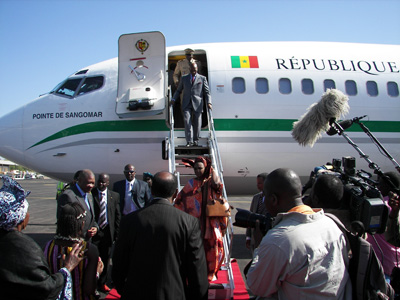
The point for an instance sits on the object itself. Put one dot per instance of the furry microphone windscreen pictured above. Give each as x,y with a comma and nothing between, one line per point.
308,129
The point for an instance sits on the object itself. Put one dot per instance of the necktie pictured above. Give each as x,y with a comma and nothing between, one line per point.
87,201
193,79
260,201
103,212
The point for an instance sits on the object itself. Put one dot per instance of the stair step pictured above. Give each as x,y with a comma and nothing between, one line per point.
180,156
187,175
184,147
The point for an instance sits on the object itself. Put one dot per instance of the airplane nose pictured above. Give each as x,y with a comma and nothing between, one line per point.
11,144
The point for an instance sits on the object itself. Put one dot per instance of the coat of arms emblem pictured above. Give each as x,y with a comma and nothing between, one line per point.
142,45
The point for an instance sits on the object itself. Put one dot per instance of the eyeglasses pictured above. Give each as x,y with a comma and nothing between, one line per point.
130,172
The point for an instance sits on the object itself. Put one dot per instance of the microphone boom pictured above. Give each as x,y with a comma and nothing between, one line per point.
309,128
345,124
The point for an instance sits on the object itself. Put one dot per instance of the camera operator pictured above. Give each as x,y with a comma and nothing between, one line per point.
383,243
327,193
254,235
304,255
393,228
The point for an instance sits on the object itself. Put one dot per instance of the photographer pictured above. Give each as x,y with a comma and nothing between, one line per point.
393,227
304,255
327,193
383,243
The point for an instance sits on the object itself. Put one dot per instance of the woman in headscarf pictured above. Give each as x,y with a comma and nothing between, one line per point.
148,177
70,232
193,199
24,272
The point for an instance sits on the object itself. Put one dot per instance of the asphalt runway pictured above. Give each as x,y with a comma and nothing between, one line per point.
42,222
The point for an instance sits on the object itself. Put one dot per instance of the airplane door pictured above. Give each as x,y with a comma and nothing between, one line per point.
141,74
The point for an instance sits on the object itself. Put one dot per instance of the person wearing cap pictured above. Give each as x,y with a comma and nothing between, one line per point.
24,272
183,67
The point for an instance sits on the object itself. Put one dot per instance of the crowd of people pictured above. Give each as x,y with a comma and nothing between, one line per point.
149,241
147,229
304,248
151,235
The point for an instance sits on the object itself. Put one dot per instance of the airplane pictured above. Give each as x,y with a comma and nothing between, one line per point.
116,112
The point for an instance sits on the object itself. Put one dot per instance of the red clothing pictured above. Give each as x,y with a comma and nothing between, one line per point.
190,200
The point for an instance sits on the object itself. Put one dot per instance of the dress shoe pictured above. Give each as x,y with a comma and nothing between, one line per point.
105,289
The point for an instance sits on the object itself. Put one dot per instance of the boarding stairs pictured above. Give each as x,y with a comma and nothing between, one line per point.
175,149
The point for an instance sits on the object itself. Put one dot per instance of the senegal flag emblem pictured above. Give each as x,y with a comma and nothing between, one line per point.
243,62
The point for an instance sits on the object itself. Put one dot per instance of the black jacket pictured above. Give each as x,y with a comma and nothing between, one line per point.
24,272
159,255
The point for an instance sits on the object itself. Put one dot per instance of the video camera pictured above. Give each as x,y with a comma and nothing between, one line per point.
361,195
248,219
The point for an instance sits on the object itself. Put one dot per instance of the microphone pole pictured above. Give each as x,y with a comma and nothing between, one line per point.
371,164
375,140
341,132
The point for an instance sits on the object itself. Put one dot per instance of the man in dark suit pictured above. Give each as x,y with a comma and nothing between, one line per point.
159,252
80,192
134,193
195,87
255,235
108,216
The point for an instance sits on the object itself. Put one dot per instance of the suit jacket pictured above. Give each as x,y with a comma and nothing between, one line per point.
159,255
113,213
250,232
73,195
193,93
141,194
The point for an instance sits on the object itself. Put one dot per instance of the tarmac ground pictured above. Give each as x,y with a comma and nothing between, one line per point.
42,221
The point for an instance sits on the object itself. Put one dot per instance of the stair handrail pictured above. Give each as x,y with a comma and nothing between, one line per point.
217,164
171,143
213,136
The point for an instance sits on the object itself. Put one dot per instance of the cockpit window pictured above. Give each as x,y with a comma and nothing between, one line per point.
91,84
85,85
67,87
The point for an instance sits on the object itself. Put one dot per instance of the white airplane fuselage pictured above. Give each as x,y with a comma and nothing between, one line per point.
57,134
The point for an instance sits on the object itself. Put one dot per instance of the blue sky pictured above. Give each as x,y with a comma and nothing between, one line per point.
44,41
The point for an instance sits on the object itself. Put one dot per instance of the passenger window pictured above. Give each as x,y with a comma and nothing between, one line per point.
329,84
285,86
262,85
372,88
393,89
238,85
307,86
68,87
351,87
91,84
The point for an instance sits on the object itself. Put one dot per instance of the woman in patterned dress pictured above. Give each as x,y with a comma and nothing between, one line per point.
193,200
69,232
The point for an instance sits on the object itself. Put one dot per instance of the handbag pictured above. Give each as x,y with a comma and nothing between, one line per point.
218,208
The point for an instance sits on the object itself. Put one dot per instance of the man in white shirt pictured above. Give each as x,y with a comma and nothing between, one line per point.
134,193
107,212
304,255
